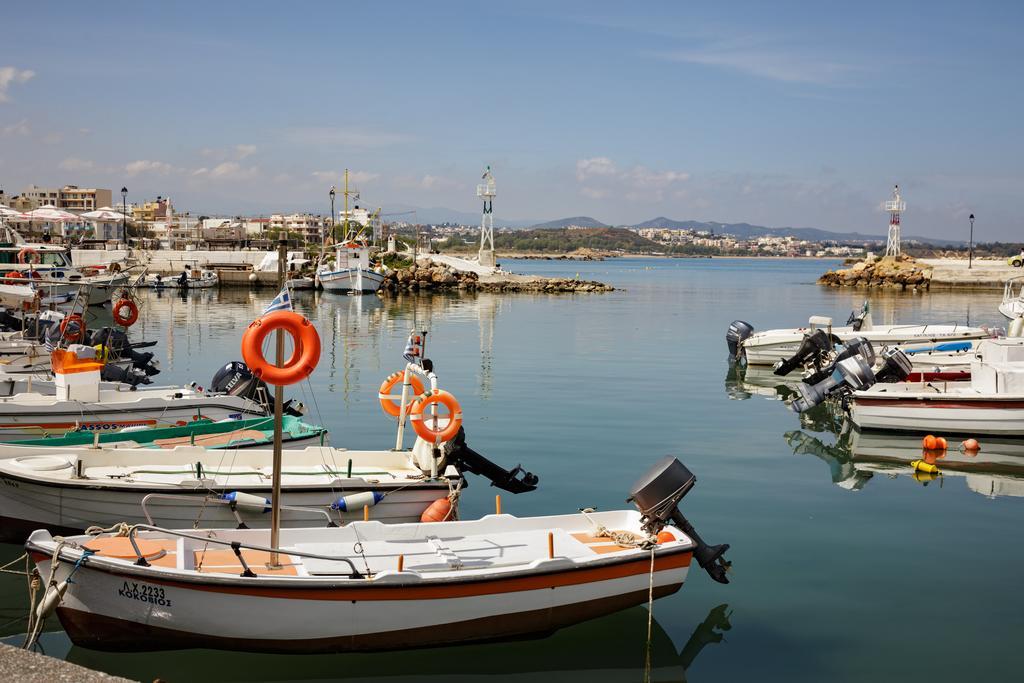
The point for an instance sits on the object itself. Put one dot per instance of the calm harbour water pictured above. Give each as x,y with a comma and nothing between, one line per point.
894,581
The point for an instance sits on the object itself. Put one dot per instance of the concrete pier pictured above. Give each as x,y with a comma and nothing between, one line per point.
983,274
31,667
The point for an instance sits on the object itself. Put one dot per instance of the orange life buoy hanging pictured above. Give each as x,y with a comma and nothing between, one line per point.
28,255
304,358
392,403
436,428
126,319
77,333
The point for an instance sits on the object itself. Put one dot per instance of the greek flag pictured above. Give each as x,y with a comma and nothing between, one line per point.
281,302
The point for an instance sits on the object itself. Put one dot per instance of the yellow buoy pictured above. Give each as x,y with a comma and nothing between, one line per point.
922,466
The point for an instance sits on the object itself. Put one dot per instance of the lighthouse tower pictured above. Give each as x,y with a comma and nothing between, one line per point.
487,191
895,207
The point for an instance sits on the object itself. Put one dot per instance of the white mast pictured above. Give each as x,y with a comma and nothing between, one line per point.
895,207
487,191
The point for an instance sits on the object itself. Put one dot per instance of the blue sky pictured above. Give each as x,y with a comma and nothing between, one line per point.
799,114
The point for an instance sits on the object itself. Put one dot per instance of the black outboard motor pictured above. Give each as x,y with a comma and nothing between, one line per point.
813,348
131,376
853,374
657,494
896,367
121,347
858,346
236,379
734,336
516,480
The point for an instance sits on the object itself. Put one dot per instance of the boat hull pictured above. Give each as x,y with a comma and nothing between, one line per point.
350,280
767,348
125,611
941,414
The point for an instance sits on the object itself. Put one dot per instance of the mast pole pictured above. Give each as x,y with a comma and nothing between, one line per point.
275,496
345,224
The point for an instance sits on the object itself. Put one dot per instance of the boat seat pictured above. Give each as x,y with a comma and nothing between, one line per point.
221,561
209,440
160,552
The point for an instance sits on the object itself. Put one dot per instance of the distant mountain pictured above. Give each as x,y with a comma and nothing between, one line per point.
439,214
574,221
746,231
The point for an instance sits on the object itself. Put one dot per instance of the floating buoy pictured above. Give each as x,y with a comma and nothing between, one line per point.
240,498
930,443
924,478
922,466
355,501
970,446
438,511
666,536
940,443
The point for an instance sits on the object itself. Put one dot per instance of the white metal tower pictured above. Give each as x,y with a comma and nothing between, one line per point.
895,207
487,191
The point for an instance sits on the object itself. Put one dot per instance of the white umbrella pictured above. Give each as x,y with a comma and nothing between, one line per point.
105,215
8,212
51,213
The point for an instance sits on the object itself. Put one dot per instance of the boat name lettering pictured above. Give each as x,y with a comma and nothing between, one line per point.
144,593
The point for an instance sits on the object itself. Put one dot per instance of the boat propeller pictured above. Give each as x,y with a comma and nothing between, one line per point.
657,494
813,348
515,480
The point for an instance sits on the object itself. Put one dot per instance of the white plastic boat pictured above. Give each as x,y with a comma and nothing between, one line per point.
197,279
1012,305
991,402
771,346
370,586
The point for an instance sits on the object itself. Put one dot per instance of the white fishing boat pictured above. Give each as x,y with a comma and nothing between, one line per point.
771,346
301,282
350,271
991,402
82,401
69,489
191,279
371,586
1012,305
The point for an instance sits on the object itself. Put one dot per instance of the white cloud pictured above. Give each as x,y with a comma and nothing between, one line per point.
9,76
244,151
433,182
228,170
601,177
76,164
21,128
147,166
352,137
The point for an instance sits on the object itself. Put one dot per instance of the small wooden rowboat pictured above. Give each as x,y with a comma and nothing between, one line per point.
370,586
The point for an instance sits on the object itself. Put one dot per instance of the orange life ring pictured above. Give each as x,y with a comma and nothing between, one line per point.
304,358
76,335
15,275
28,253
422,422
392,403
132,316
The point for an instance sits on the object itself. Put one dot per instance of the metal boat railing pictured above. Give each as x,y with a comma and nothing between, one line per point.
206,500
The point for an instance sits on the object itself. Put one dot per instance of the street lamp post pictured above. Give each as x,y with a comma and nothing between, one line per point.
970,257
124,214
332,214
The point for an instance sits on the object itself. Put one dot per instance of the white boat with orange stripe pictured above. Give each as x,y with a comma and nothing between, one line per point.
370,586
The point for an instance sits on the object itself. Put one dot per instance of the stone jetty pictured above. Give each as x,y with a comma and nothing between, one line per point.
903,272
438,277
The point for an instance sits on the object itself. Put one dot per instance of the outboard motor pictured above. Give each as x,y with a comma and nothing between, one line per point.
858,346
236,379
852,373
896,367
734,336
516,480
120,347
812,349
657,494
131,376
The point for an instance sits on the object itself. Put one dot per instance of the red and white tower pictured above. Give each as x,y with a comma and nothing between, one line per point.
895,207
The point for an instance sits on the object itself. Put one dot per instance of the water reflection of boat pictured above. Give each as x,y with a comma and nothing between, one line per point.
995,470
836,456
743,381
607,649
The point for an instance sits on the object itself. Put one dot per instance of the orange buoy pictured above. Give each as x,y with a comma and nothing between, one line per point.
929,442
970,446
438,511
436,429
392,403
28,255
77,333
940,443
304,358
126,312
665,536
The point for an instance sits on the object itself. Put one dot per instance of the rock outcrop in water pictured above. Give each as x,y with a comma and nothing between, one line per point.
436,277
891,273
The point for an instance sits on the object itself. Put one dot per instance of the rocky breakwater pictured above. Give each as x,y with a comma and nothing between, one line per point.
903,272
435,277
